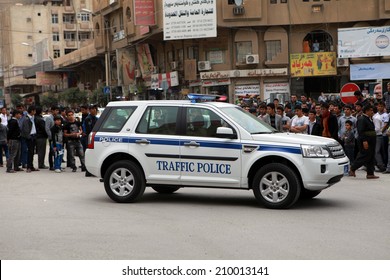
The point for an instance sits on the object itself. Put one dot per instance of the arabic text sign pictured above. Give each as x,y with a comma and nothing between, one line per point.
363,42
247,89
313,64
144,12
372,71
189,19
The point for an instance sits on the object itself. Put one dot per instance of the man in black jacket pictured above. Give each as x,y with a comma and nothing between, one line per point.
29,133
13,137
366,143
41,138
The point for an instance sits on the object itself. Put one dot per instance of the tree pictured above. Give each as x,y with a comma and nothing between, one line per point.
73,97
99,98
15,99
49,100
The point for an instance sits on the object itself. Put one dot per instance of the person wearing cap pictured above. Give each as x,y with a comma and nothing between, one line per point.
366,143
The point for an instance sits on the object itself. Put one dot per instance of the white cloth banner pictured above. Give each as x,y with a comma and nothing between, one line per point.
372,71
363,42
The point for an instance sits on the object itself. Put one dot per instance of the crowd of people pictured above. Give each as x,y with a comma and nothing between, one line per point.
361,128
25,133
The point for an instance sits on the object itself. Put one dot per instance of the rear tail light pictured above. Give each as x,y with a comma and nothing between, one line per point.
91,140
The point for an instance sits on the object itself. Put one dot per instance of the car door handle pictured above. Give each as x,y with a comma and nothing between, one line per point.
191,144
142,141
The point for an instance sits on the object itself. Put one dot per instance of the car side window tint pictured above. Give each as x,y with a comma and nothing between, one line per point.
116,119
158,120
202,122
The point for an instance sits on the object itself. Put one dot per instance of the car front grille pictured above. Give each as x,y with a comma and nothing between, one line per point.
336,150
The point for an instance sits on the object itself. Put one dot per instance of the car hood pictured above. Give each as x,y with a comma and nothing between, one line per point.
293,138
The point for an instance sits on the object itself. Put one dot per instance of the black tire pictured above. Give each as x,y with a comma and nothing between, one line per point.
165,189
307,194
124,181
270,192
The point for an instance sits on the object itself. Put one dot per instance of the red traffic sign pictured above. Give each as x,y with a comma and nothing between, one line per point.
347,93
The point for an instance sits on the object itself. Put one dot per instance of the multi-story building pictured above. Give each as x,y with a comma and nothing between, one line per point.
33,34
231,47
253,51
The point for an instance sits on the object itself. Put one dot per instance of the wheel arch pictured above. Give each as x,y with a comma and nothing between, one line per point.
117,157
271,159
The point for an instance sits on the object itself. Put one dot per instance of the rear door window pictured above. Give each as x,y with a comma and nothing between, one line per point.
159,120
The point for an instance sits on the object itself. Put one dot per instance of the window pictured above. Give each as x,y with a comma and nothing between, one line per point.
158,120
231,2
273,1
68,18
56,53
283,1
84,17
273,48
54,19
216,57
193,53
67,51
84,36
116,119
242,50
69,36
56,36
202,122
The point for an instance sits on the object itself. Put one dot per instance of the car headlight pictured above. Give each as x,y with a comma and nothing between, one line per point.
314,151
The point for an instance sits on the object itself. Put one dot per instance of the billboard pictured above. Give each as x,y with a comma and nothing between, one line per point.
313,64
48,79
371,71
144,12
189,19
126,66
363,42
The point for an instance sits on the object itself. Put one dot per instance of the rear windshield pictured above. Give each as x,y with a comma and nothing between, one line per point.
115,118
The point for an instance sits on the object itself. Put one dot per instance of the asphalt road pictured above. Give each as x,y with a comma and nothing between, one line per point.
45,215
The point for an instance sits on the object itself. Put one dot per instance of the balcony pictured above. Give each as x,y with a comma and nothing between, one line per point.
70,44
69,26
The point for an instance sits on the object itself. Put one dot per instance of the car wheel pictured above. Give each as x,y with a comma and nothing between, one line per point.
276,186
124,181
165,189
307,194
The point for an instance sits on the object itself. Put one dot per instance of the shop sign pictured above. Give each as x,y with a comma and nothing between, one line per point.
144,12
313,64
363,41
189,19
247,90
372,71
243,73
48,79
166,80
220,82
276,90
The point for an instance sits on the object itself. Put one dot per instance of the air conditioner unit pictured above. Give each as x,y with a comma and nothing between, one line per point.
252,59
342,62
204,65
174,65
137,73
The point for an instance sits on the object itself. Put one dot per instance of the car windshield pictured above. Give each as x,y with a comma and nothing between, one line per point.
248,121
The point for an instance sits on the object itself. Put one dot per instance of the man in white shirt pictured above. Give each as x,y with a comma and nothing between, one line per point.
380,120
300,122
4,116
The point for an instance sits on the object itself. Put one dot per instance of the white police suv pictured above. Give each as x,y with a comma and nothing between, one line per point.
168,145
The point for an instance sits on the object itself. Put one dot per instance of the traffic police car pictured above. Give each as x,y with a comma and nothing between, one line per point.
168,145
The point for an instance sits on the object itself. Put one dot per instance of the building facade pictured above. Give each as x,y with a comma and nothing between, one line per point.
269,48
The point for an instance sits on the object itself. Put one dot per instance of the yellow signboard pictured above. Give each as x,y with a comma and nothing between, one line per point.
313,64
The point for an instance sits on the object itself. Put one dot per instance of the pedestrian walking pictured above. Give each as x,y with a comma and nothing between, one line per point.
366,142
13,137
348,140
41,138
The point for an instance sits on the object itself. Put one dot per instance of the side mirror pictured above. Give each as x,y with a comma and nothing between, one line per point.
226,132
